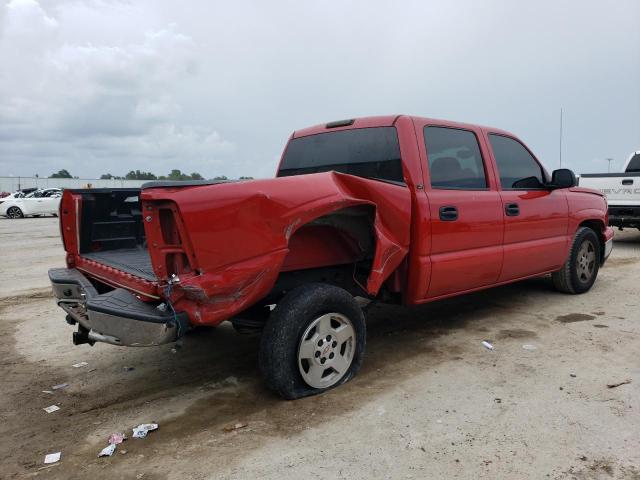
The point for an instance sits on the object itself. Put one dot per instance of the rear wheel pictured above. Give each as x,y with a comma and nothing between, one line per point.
313,341
579,272
14,212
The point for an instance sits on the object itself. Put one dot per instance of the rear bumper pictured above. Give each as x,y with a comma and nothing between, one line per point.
117,317
624,216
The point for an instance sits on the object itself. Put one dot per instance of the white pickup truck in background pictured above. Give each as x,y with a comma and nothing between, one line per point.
622,191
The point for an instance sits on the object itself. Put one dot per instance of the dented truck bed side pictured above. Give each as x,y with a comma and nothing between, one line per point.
236,236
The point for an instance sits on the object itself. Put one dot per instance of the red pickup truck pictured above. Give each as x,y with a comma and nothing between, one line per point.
399,209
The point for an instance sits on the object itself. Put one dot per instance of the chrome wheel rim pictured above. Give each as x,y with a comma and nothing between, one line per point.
326,350
586,261
13,212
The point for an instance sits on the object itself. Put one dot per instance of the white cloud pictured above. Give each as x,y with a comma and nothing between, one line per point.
105,103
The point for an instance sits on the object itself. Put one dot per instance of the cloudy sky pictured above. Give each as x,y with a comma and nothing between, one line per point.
102,86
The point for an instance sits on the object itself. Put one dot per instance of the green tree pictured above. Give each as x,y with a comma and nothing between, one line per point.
106,176
138,175
175,174
245,178
220,177
61,174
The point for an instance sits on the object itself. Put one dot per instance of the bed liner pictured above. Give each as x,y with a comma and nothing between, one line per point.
135,261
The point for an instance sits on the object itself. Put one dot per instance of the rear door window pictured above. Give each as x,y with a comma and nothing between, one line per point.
517,168
364,152
454,157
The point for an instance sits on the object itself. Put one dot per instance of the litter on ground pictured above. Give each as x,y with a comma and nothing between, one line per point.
52,457
528,346
51,408
141,430
487,345
235,426
107,451
59,386
81,364
116,438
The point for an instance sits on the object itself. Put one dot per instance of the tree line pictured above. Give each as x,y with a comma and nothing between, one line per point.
175,174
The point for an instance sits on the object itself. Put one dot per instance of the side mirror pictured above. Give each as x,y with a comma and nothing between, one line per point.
563,178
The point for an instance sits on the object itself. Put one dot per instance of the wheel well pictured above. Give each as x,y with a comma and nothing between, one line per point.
337,248
597,226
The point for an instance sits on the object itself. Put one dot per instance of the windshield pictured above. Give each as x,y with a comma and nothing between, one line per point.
364,152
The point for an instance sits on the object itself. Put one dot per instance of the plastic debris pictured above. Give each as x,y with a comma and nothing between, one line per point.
141,430
116,438
128,369
487,345
59,386
47,391
81,364
614,385
52,457
572,375
51,408
528,346
235,426
107,451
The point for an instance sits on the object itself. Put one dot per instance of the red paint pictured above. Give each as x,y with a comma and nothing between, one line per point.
229,242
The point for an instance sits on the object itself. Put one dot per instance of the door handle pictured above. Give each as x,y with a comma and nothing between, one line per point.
448,214
627,181
512,209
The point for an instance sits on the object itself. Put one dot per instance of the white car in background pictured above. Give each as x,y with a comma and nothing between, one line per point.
40,202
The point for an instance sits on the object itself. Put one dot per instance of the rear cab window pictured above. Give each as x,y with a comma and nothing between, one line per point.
365,152
518,169
455,161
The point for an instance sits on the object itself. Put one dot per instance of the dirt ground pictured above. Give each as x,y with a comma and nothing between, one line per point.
430,401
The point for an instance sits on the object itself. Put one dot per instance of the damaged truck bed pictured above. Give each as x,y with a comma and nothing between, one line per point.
398,209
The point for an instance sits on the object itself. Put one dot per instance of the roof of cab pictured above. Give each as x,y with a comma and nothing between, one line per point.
386,121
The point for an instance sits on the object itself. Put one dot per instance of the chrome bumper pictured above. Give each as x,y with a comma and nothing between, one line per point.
116,317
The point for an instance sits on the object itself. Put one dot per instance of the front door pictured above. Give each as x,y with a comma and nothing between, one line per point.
466,213
535,217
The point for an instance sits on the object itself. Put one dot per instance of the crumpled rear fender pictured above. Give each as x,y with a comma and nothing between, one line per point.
239,233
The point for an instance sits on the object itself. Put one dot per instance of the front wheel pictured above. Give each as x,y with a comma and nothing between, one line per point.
14,212
579,272
313,341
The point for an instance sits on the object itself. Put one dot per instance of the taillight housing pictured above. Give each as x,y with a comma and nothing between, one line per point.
166,239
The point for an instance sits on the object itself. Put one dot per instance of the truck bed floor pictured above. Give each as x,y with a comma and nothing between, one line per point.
135,261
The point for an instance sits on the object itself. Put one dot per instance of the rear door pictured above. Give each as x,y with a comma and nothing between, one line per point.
465,211
535,217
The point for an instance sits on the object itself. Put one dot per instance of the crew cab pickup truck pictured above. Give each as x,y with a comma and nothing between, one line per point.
622,191
398,209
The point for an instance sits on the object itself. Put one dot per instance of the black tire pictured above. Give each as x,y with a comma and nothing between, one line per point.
579,273
14,212
282,339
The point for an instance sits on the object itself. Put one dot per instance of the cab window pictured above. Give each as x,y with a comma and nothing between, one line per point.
517,168
454,159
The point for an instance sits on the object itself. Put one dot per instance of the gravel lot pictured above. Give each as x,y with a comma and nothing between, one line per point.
430,402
